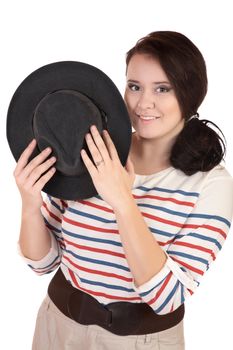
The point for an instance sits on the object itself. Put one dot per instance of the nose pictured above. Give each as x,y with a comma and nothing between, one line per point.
146,101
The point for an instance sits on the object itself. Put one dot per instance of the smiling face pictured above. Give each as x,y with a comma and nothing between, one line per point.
151,101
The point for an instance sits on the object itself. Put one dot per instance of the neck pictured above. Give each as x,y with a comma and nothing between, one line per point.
150,155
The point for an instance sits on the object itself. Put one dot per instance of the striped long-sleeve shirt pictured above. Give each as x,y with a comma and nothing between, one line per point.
189,216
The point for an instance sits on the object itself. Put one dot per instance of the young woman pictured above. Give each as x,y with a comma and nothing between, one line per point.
131,256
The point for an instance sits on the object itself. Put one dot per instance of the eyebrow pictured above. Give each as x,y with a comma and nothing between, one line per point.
154,82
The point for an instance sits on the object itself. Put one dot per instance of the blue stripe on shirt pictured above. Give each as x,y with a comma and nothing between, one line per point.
165,190
188,256
93,239
98,262
198,235
170,295
90,216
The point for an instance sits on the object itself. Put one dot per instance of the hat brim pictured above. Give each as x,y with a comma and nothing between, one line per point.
70,75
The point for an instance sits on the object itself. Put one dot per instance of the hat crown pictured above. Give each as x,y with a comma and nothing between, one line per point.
61,120
67,89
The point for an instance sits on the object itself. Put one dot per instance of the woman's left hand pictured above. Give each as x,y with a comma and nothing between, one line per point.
112,181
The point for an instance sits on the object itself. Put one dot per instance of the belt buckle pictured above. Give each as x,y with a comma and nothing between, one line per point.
121,318
125,319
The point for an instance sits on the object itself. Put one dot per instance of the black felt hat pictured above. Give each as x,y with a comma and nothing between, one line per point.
56,105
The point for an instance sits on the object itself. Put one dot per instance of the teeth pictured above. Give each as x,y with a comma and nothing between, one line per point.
147,117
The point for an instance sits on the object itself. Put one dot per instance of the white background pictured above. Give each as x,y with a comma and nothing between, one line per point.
34,33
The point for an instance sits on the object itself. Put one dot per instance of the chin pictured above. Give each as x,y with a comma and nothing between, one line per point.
147,135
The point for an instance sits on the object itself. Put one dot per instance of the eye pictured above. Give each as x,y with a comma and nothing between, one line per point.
163,89
133,87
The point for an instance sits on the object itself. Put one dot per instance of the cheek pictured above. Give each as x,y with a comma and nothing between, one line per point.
130,108
172,107
130,100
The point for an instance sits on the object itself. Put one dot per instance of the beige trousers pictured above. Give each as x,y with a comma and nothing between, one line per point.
55,331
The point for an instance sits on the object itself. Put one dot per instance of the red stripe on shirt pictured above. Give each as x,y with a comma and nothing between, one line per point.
104,251
198,247
94,205
89,227
173,200
108,296
51,214
64,204
208,227
200,272
157,218
161,289
192,226
98,272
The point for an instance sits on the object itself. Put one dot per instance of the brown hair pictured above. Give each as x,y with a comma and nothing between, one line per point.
198,147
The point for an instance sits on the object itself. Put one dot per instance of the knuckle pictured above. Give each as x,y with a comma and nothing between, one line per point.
39,185
51,160
45,166
42,181
17,180
36,172
47,176
23,155
101,147
95,153
33,162
52,171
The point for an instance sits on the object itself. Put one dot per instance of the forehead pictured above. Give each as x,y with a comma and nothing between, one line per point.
143,67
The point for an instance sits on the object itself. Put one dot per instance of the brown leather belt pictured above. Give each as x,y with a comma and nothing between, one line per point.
121,318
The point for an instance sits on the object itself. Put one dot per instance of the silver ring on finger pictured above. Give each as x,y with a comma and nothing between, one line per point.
98,163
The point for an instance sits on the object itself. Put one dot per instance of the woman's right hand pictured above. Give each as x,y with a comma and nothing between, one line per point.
28,176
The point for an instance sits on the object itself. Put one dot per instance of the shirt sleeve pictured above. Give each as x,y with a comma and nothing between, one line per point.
52,211
193,249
